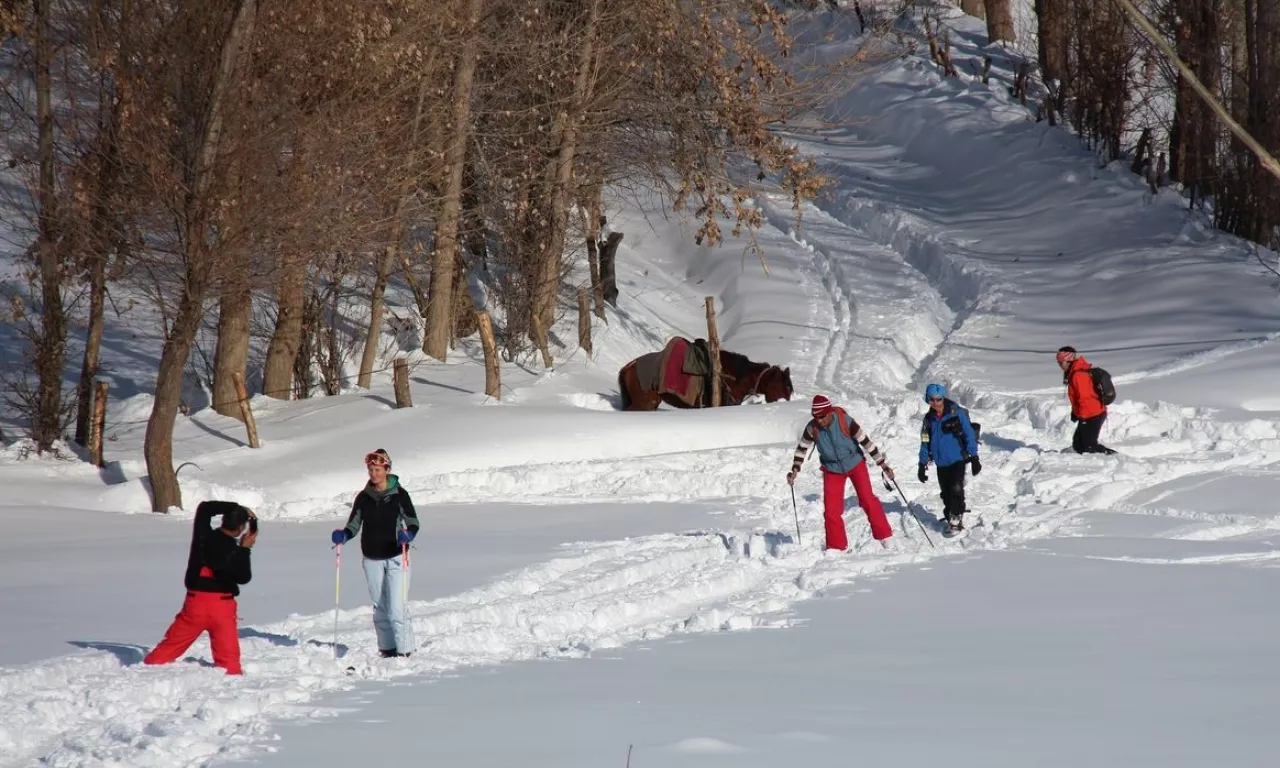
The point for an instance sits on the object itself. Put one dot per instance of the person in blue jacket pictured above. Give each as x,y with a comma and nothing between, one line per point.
948,439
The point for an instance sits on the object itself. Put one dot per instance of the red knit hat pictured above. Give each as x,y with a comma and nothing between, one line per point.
821,406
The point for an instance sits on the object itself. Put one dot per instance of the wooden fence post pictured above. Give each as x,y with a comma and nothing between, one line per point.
97,420
608,268
246,413
713,340
584,322
492,375
403,398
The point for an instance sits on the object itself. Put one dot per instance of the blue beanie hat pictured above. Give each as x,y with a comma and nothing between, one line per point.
934,390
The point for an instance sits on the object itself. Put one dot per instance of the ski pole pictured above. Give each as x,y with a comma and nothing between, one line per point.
337,580
796,512
404,582
913,513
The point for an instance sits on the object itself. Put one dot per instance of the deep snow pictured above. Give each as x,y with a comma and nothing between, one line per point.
1108,610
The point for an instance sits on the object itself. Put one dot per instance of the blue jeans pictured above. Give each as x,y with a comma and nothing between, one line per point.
388,582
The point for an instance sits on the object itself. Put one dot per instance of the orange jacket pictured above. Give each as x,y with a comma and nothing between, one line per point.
1084,401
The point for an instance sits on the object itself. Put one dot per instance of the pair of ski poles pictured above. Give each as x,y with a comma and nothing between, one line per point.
337,592
888,487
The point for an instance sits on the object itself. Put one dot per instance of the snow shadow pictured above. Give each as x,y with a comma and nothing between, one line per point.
127,653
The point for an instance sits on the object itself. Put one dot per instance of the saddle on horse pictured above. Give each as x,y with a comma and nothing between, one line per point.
681,369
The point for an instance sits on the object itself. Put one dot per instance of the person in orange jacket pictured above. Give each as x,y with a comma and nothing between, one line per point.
1087,411
217,565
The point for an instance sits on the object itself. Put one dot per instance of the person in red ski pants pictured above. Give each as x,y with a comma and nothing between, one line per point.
216,567
842,447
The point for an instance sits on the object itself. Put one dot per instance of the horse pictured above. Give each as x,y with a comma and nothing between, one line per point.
740,378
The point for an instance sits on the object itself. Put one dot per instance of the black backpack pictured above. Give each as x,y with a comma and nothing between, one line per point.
1102,386
952,426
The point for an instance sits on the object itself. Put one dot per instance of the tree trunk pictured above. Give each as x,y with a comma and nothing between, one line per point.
440,316
552,248
595,214
92,345
377,305
102,231
473,226
999,20
286,339
50,352
158,443
1264,86
199,264
974,8
1051,23
231,356
464,305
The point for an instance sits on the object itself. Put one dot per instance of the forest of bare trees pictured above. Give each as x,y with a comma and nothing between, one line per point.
251,169
1109,82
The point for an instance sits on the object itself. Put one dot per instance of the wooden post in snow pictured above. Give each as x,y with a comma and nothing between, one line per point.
97,420
403,398
584,321
246,413
492,375
713,340
609,268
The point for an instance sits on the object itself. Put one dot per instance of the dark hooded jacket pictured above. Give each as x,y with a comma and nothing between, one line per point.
378,516
216,562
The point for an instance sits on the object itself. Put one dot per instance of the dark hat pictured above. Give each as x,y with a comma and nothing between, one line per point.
235,517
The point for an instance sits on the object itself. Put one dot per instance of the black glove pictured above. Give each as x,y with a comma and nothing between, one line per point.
1075,417
923,473
977,465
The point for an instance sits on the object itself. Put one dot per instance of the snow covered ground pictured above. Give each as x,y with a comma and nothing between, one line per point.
589,580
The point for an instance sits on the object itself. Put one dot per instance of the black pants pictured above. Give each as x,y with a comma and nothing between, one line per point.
1085,440
951,483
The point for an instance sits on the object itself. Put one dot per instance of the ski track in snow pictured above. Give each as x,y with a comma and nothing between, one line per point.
97,709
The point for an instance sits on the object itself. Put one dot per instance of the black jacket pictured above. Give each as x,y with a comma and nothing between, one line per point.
380,514
217,562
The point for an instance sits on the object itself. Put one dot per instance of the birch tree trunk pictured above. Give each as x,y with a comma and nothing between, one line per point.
440,315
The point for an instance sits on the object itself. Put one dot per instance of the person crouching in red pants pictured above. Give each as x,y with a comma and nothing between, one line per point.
842,446
217,566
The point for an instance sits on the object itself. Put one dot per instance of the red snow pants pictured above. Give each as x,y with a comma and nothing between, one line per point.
833,506
201,612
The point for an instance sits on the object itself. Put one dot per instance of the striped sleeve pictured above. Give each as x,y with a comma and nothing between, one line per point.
807,437
868,446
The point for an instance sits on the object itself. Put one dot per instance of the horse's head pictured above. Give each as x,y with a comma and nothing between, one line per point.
775,384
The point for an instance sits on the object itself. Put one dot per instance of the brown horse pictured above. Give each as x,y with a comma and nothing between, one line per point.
740,378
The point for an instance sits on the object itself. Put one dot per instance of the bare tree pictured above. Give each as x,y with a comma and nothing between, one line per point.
200,116
49,353
444,257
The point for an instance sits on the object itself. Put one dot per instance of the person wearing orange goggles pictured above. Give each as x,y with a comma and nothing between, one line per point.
384,516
